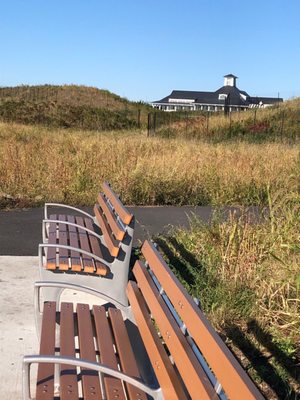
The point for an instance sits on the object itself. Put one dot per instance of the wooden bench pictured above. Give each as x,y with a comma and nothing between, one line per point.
161,346
81,246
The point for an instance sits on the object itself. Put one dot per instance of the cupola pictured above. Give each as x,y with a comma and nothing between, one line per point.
230,80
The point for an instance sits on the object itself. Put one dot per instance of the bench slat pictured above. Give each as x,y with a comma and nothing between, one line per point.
63,239
111,243
124,349
163,368
191,371
101,269
90,379
51,251
87,261
45,375
118,232
122,211
231,375
68,373
74,242
113,386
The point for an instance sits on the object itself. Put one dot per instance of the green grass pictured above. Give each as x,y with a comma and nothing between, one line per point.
246,276
278,123
70,106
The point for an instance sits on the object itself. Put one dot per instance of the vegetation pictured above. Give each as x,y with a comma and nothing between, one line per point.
279,123
38,165
247,278
70,106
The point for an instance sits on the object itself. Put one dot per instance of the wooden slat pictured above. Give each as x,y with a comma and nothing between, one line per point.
192,373
63,239
45,375
90,379
118,232
233,378
51,251
163,368
122,211
101,269
68,374
113,386
124,349
75,258
111,243
87,261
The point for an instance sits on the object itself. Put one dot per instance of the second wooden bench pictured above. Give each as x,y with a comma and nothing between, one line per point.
81,246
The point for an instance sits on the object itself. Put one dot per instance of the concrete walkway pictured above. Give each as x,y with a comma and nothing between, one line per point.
17,326
17,331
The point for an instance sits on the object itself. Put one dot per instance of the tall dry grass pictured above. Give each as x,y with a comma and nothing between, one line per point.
37,165
279,123
247,277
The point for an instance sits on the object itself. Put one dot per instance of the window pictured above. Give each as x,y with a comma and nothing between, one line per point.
222,96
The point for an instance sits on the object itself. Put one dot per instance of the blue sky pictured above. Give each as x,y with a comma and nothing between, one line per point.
143,49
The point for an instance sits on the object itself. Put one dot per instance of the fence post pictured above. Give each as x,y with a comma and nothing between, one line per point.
139,118
207,122
154,124
149,123
254,119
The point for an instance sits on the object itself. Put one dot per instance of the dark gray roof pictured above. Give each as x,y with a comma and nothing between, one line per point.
230,76
265,100
233,93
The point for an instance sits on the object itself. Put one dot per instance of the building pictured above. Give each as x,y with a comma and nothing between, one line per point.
228,98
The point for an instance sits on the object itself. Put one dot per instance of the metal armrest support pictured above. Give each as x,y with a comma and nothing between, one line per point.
82,363
85,289
61,246
64,206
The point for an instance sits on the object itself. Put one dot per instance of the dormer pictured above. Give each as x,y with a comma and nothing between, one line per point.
230,80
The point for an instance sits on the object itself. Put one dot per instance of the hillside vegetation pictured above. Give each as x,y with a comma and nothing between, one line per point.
70,106
277,123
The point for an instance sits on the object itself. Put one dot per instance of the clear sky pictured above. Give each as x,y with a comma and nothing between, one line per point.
142,49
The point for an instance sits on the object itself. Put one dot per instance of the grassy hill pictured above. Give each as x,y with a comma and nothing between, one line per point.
70,106
279,123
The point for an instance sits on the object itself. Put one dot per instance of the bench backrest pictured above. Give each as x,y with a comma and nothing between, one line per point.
113,218
203,366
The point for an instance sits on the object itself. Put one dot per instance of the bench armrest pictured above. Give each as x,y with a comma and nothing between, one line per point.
64,206
62,246
82,363
71,286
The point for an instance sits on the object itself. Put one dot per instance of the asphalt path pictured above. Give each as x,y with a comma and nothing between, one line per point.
20,230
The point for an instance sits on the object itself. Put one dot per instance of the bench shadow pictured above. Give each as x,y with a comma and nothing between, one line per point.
169,247
292,366
260,362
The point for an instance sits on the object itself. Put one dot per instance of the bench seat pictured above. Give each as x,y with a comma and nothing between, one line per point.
75,236
161,345
95,335
78,246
